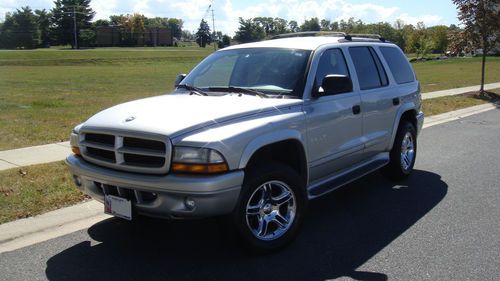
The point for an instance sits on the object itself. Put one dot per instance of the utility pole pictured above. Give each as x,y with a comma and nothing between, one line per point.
74,28
213,28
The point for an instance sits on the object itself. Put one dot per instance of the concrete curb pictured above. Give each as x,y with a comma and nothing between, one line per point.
29,231
458,114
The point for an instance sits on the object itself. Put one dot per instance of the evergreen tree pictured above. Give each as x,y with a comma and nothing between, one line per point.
43,21
20,30
64,13
249,31
203,34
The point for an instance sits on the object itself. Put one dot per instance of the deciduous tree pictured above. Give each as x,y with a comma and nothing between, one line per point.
481,25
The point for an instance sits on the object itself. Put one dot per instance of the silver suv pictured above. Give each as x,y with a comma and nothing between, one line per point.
255,131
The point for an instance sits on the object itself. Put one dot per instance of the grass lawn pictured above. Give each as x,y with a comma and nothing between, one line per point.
33,190
46,92
455,73
445,104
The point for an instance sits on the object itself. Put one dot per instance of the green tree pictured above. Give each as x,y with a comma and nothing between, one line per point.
101,22
272,26
416,38
325,25
280,26
132,29
249,31
439,37
175,26
334,26
64,14
226,41
203,34
293,26
481,21
310,25
43,20
20,29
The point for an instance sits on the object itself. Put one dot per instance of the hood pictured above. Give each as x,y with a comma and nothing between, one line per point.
173,115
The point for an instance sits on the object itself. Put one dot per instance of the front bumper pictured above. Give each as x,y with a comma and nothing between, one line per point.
420,121
161,195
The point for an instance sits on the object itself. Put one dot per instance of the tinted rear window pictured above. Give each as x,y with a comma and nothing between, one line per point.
398,64
368,73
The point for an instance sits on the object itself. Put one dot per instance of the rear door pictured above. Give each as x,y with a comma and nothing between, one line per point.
379,100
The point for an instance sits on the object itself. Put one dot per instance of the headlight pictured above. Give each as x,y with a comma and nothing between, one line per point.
198,160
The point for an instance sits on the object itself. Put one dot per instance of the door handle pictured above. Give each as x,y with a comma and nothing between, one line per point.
356,109
395,101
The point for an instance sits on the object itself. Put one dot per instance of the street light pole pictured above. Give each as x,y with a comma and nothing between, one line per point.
74,28
213,26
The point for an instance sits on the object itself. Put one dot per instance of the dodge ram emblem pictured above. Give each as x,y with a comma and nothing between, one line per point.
131,118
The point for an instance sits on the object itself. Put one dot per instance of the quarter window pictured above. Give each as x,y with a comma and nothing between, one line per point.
398,64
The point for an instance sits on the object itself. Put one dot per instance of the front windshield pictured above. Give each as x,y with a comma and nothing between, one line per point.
268,70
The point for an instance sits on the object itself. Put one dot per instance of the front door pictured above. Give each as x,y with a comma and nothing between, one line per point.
334,125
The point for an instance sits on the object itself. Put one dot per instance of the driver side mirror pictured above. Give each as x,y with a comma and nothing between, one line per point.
179,79
334,84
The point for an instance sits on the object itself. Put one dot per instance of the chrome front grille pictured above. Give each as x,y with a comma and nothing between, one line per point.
126,151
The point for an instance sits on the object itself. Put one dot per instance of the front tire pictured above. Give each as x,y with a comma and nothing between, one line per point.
271,207
403,153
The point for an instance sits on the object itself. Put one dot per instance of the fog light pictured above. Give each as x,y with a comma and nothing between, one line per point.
77,180
189,203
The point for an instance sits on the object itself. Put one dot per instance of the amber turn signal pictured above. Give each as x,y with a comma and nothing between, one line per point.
76,150
199,168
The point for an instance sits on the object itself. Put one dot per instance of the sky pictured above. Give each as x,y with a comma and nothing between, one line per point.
226,12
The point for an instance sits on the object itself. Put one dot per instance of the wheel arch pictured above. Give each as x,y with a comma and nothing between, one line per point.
288,148
408,113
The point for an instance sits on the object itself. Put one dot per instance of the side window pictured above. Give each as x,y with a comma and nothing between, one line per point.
398,64
384,81
370,72
331,62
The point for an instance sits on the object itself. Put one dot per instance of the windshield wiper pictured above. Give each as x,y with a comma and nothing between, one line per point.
193,90
239,90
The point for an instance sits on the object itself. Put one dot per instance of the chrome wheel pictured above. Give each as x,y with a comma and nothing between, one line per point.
407,151
271,210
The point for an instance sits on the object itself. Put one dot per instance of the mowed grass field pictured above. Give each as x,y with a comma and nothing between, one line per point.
46,92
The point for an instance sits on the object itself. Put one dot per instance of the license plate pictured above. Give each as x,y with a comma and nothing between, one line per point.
118,207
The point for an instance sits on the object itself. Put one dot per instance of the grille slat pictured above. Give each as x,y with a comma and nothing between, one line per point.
145,152
127,153
98,145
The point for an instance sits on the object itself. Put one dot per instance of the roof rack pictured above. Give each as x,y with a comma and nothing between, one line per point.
372,36
309,34
346,36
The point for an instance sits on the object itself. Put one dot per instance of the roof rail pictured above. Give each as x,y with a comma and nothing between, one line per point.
309,33
346,36
374,36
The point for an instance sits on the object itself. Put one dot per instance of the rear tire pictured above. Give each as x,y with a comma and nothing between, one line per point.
271,208
403,153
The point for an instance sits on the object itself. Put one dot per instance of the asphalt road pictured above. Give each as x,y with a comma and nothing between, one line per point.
443,223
